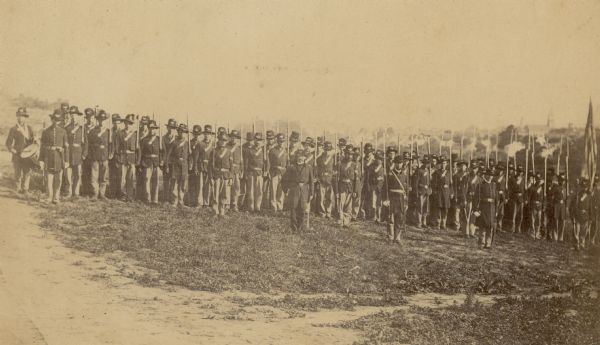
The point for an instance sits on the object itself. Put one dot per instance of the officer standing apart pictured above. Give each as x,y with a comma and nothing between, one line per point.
484,208
297,182
397,197
19,137
53,156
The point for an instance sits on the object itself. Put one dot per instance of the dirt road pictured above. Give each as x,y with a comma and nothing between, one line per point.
50,294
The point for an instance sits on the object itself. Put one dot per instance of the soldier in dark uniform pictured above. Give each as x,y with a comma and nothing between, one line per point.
536,205
397,188
442,191
243,181
325,178
297,182
376,181
267,195
195,181
140,188
19,137
114,173
126,150
237,166
423,182
77,150
347,187
484,208
53,156
278,162
165,142
473,185
580,207
367,193
100,152
516,191
149,161
558,199
205,154
221,176
357,201
86,165
177,165
460,185
255,170
501,187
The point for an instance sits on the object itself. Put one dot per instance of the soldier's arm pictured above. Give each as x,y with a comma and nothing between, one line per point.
42,157
66,148
10,139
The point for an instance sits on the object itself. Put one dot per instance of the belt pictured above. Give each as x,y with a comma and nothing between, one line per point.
205,160
152,156
397,191
519,194
488,200
500,192
234,164
346,180
280,167
423,185
561,202
537,202
224,170
300,184
446,186
127,151
75,145
59,148
380,178
181,159
98,146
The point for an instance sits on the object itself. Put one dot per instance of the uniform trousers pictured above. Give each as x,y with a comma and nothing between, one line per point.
73,179
221,195
236,189
398,209
254,191
22,169
53,183
276,193
326,199
127,182
345,208
99,178
150,175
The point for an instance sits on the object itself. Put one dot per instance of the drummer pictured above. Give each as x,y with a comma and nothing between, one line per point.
19,137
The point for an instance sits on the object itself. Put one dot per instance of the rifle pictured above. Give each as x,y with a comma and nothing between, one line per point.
385,176
288,142
526,156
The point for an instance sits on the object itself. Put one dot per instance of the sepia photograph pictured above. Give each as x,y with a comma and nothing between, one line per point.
269,172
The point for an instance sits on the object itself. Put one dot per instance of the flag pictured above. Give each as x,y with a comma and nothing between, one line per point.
588,170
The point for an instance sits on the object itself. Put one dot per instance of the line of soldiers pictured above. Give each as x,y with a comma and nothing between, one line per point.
82,156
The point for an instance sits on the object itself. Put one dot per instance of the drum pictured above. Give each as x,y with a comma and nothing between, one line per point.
30,154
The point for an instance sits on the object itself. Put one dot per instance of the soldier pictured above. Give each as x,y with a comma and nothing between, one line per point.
204,155
277,164
126,150
237,166
294,144
100,152
114,173
516,191
473,186
484,208
166,142
325,178
423,183
536,204
255,166
140,187
86,165
177,165
356,201
580,207
197,176
368,160
558,197
461,187
347,187
221,176
500,180
297,182
77,150
19,137
269,144
309,147
443,194
397,197
245,152
149,161
376,181
53,156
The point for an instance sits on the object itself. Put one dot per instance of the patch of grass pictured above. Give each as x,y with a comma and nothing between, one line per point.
532,320
258,253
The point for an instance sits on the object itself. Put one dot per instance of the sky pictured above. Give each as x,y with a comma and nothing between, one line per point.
427,64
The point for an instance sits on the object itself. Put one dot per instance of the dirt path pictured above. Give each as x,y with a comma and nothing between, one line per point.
50,294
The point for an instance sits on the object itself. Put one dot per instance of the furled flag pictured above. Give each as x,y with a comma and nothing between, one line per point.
590,151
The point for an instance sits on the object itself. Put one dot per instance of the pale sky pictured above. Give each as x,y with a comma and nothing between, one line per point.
368,63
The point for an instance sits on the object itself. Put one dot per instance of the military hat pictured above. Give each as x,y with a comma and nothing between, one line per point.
280,138
500,165
197,129
208,129
144,120
425,160
116,118
320,141
101,115
461,162
443,158
56,115
406,155
89,112
258,136
488,172
130,118
349,147
64,105
249,136
182,128
152,124
341,142
74,110
561,177
270,135
356,151
379,154
309,141
295,136
171,123
392,149
22,112
368,148
327,146
235,134
221,130
433,156
492,161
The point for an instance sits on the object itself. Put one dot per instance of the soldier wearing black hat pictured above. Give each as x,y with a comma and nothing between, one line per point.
246,147
294,143
166,142
473,186
149,161
325,177
277,163
423,186
297,183
581,208
100,152
86,165
114,172
177,159
126,151
54,152
357,200
441,190
197,176
396,197
501,186
484,208
237,167
516,192
255,166
77,150
536,204
376,181
203,159
19,137
367,193
460,186
221,176
558,201
347,187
